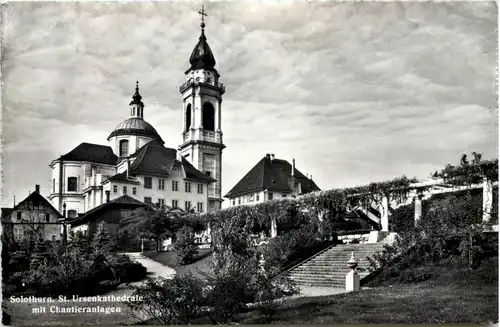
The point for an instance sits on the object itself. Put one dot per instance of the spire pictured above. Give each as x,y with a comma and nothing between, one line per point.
202,56
137,96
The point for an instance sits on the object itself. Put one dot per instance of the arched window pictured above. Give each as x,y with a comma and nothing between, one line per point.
72,214
123,148
208,117
188,116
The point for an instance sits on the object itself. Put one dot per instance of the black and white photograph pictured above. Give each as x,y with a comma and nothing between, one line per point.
249,162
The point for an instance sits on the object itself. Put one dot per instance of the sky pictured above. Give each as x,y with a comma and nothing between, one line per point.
355,92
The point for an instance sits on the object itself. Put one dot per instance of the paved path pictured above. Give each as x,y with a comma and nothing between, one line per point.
154,268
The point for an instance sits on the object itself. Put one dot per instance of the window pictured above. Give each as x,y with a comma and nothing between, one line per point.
188,187
72,214
147,200
47,217
18,233
161,184
72,184
208,173
161,203
148,182
187,205
257,197
53,237
124,190
234,202
53,185
200,206
175,204
123,148
19,215
251,198
239,200
200,188
115,189
175,185
134,190
269,196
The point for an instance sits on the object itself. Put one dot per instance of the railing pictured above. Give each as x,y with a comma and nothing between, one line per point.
192,82
209,136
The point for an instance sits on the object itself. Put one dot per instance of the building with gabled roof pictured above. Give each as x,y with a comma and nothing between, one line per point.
270,179
34,217
137,163
110,213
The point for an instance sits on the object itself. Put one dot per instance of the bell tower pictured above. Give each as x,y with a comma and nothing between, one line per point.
202,92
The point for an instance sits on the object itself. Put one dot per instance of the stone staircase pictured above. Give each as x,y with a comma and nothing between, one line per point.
329,267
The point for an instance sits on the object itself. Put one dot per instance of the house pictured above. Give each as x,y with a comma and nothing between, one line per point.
109,213
270,179
33,217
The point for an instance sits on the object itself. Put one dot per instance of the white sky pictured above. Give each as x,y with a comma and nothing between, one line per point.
355,92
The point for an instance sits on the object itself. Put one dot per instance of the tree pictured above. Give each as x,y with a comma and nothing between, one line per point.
185,245
160,223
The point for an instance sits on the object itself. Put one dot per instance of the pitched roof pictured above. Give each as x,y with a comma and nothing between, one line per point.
123,201
36,199
155,159
273,175
92,153
122,177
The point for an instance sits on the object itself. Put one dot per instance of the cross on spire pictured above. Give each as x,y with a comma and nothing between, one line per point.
203,15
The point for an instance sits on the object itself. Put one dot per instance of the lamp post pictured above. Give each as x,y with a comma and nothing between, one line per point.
352,277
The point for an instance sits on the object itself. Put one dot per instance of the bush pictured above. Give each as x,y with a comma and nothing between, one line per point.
185,245
171,301
86,266
448,229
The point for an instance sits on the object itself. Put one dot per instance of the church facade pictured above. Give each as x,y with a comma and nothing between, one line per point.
136,162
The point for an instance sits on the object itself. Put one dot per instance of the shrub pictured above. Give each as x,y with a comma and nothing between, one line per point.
171,301
185,245
448,228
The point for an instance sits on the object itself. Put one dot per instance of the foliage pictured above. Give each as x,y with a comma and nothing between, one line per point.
452,226
185,246
171,301
469,172
85,266
159,223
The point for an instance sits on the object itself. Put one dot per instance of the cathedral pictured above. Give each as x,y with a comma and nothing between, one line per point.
136,163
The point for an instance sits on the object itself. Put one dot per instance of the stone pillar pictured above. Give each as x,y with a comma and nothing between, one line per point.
418,208
487,199
142,245
384,218
274,228
352,280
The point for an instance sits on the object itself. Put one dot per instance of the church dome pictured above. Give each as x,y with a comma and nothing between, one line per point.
202,56
136,126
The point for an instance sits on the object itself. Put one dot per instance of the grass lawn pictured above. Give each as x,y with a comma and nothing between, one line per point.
199,268
449,296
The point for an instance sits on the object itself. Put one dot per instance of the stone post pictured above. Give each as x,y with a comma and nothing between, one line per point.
487,199
274,228
384,219
142,245
352,278
418,208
